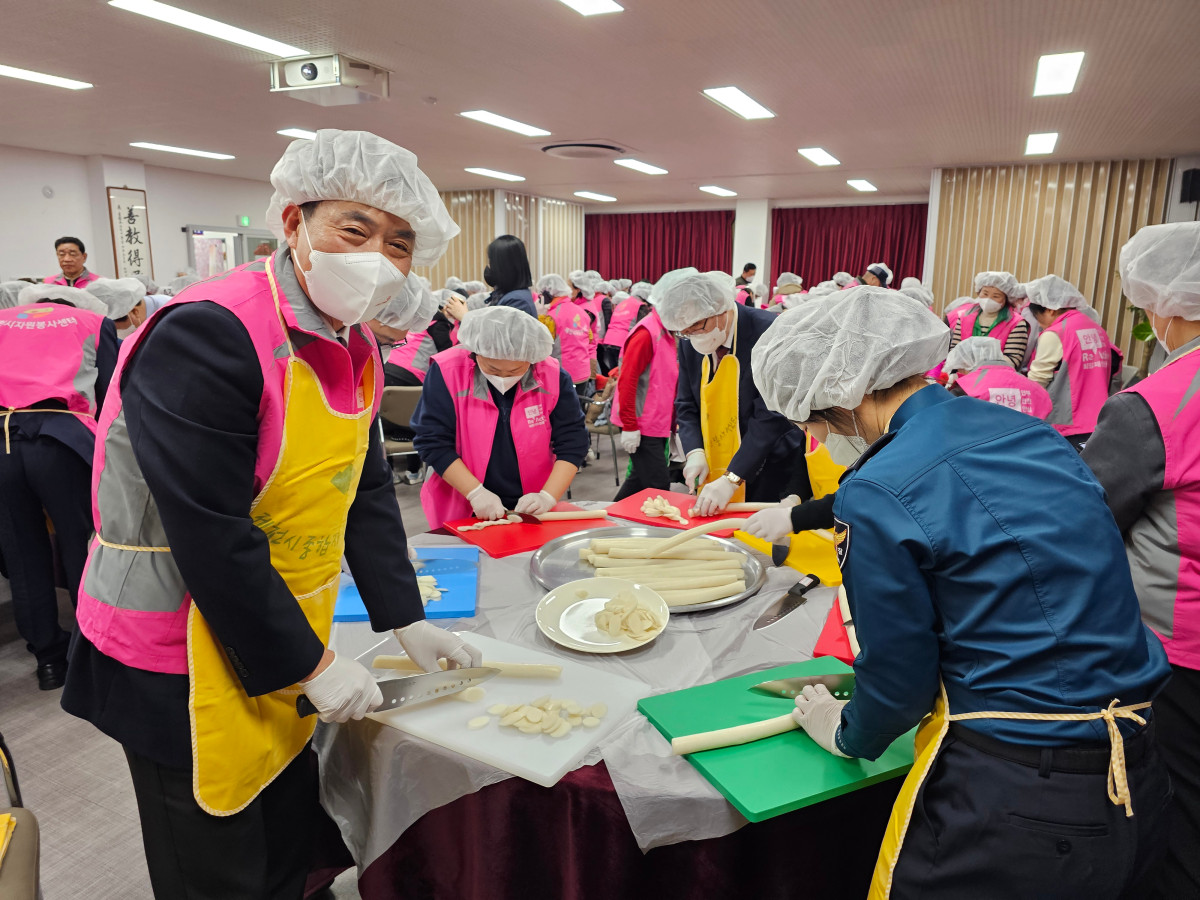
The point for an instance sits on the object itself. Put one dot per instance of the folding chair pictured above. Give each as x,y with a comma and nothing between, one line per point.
598,420
397,408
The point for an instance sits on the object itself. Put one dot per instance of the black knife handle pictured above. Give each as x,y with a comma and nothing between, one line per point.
304,706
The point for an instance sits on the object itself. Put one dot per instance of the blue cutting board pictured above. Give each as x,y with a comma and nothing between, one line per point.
457,602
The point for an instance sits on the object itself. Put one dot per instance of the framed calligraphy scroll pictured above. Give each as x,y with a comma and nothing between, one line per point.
129,220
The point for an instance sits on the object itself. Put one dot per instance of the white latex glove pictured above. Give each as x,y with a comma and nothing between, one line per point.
425,644
770,524
715,497
344,691
535,504
695,468
485,504
790,500
820,714
630,441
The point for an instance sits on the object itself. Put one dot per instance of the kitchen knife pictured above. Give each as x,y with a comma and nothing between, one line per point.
788,602
841,686
398,692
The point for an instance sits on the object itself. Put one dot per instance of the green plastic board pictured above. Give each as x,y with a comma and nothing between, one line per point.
777,775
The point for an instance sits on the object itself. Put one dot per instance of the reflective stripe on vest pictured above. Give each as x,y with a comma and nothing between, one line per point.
623,319
414,354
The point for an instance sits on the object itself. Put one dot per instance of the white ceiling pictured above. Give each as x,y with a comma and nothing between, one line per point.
892,88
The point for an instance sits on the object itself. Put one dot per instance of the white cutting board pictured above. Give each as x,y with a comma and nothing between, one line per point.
538,758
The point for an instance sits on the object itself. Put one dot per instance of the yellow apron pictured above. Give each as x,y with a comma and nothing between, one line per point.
719,423
930,734
241,743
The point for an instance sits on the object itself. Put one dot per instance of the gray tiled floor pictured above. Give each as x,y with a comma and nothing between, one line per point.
75,780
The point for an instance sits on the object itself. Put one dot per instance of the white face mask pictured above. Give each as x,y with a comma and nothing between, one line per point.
842,449
351,287
502,383
990,306
1163,340
708,342
123,333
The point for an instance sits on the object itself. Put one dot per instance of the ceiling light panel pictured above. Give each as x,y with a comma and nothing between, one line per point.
492,173
298,133
207,154
819,157
40,78
738,102
593,7
1056,74
172,15
1040,144
718,191
860,184
591,195
638,166
490,118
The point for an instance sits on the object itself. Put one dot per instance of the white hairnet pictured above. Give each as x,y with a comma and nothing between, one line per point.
9,291
585,284
574,275
1005,282
824,289
974,352
360,166
842,279
504,332
478,300
1052,292
412,308
554,285
836,351
148,283
642,289
758,289
787,278
592,273
426,282
685,296
476,287
619,296
602,287
911,282
624,284
961,301
1160,270
443,295
77,297
918,292
828,286
453,284
119,295
881,271
183,281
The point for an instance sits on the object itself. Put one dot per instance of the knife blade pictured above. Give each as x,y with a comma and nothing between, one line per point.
788,602
398,692
841,686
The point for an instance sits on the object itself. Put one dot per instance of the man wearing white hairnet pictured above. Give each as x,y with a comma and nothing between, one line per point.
498,421
1146,453
238,461
1007,630
877,275
57,353
126,302
1075,360
736,448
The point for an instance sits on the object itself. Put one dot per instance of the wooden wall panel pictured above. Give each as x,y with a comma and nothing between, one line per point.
1069,219
561,245
475,213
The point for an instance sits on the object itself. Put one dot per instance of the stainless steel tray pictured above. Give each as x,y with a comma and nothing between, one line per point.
558,562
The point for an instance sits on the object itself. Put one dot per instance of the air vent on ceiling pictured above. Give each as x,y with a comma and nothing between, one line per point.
584,150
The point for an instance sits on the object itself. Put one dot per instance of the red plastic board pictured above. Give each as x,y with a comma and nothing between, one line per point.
506,540
631,508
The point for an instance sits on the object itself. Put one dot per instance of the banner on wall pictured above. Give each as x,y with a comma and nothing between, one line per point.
129,219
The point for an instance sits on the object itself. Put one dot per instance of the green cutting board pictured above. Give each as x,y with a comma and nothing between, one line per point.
777,775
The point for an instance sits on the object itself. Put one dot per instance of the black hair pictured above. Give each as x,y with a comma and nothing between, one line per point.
1036,309
70,240
509,264
307,209
748,266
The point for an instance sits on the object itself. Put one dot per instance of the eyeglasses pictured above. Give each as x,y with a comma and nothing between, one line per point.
701,327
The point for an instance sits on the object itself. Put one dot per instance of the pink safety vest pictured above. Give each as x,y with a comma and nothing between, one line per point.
624,317
573,328
1000,331
476,415
743,297
49,353
1084,378
999,383
133,606
81,282
1170,599
414,354
656,384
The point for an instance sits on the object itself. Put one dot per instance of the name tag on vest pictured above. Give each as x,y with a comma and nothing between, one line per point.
1010,397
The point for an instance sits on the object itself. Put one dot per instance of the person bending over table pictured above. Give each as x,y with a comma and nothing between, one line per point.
735,446
1009,630
498,421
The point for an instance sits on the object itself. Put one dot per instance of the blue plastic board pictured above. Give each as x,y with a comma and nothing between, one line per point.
457,602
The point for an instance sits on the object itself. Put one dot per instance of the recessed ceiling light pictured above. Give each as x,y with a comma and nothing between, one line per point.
860,184
186,152
739,102
818,156
52,80
592,7
1037,144
591,195
718,191
638,166
490,118
1056,73
299,133
204,25
492,173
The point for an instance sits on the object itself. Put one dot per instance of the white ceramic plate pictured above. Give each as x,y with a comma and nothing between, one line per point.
568,619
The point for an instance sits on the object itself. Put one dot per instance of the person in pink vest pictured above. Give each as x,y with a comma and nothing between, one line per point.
786,286
125,299
574,334
236,463
498,422
627,310
981,370
57,354
1146,454
644,404
994,313
408,361
1075,360
72,260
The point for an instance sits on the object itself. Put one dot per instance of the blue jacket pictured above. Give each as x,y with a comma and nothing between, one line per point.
520,299
766,435
977,548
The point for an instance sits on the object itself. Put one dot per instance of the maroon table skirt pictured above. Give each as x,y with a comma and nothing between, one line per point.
517,841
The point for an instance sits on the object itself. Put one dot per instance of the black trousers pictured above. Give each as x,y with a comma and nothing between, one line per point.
38,477
1177,718
649,468
260,853
986,827
608,357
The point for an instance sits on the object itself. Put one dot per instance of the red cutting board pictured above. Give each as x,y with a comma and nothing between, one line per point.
631,508
505,540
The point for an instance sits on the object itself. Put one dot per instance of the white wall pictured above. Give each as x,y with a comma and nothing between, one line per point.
29,222
752,238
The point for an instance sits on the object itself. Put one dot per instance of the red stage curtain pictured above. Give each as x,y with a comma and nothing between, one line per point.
644,246
815,242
